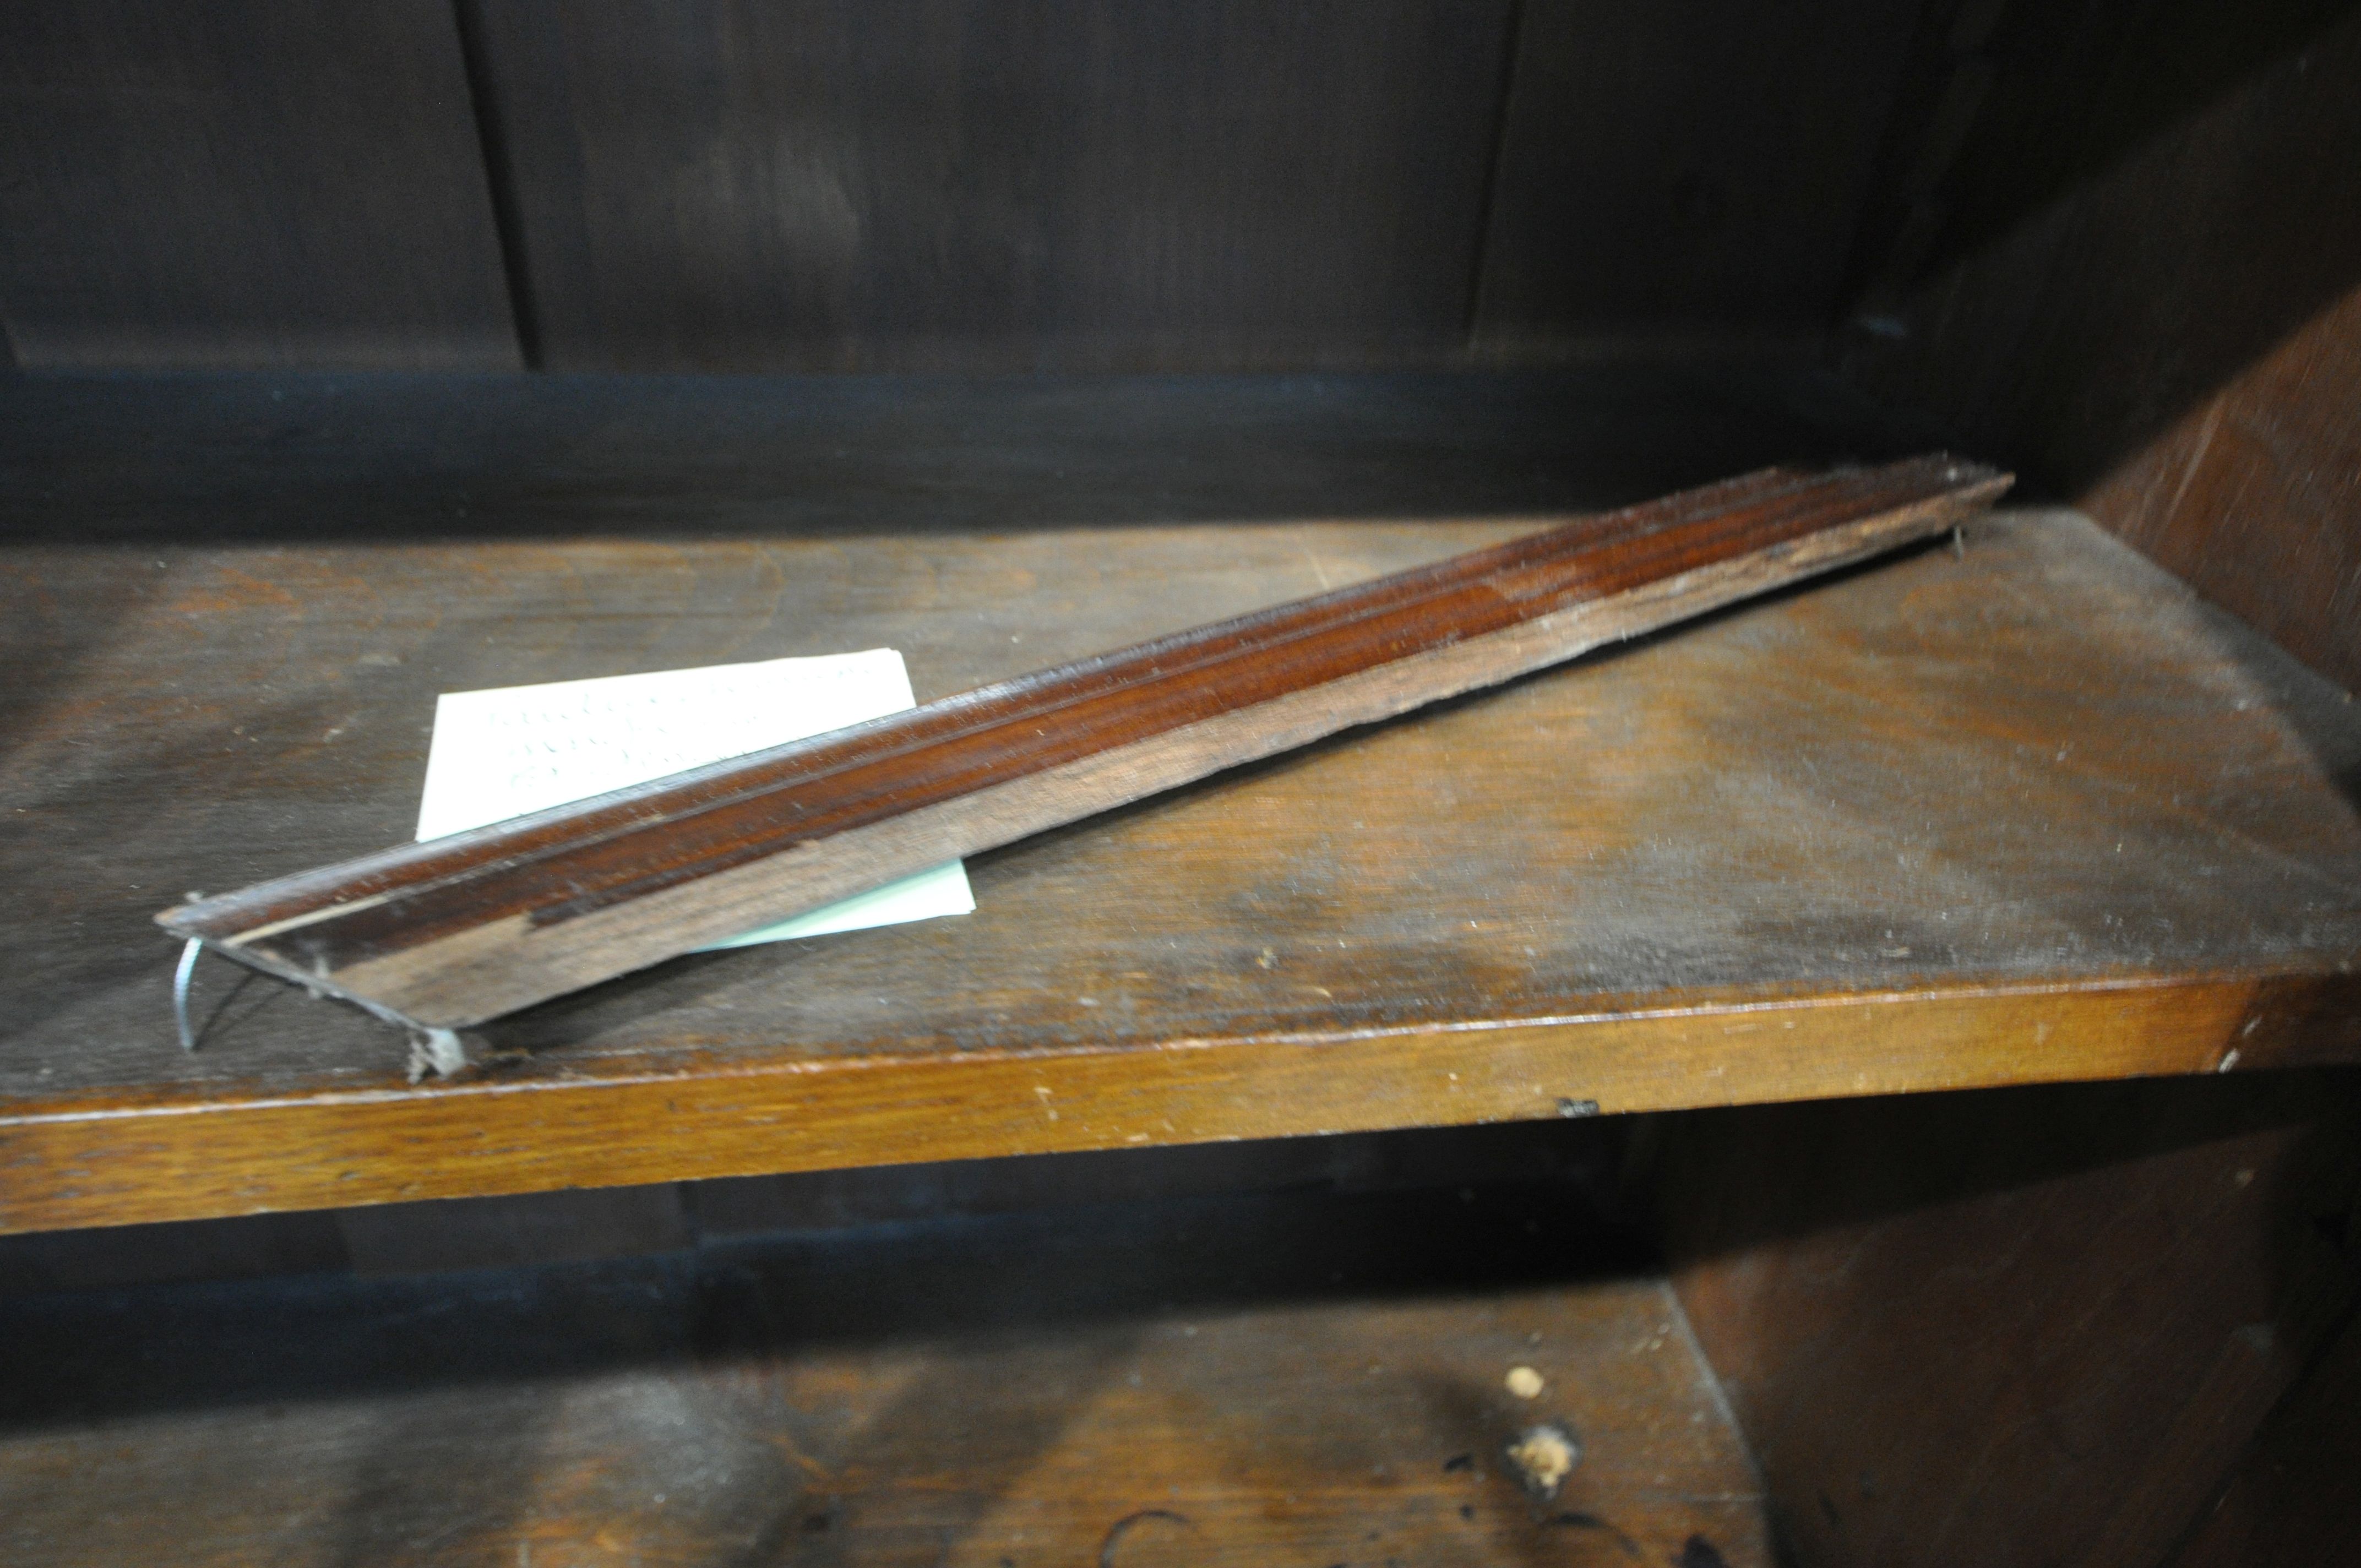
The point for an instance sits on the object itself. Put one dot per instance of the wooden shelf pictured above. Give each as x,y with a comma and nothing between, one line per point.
2025,811
1287,1380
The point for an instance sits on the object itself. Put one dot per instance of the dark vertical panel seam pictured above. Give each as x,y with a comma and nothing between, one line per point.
1513,34
500,179
1932,63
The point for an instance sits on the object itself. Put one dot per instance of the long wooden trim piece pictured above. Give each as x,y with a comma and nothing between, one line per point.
462,929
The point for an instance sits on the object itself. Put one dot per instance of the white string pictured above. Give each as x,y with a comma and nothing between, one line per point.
180,992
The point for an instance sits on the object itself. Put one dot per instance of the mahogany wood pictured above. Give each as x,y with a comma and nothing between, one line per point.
2024,810
2291,1502
2025,1327
1087,186
1234,1380
455,931
244,183
2109,252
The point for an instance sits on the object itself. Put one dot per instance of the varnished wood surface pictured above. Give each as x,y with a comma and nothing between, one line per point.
2030,1327
1591,1158
307,459
909,184
2291,1503
1069,184
250,182
2026,811
1682,166
2119,246
469,927
2255,493
1292,1380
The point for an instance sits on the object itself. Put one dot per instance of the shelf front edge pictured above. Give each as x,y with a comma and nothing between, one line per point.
88,1162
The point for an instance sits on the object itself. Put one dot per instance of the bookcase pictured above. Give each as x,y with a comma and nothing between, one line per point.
1880,1057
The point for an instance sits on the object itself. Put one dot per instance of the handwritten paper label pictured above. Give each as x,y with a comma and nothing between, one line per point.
500,753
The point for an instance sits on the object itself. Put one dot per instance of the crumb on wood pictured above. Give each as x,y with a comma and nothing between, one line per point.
1525,1382
1543,1456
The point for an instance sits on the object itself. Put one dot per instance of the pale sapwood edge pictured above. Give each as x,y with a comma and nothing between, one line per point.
446,982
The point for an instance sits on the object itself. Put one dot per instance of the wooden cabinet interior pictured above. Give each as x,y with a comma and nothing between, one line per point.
2049,1323
889,1250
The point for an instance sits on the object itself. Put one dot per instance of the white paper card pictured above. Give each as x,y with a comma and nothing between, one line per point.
500,753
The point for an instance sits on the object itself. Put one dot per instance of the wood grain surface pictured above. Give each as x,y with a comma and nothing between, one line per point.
1064,184
2030,1326
2026,811
2118,246
312,458
2253,494
1292,1379
465,928
1682,167
255,182
918,184
2290,1504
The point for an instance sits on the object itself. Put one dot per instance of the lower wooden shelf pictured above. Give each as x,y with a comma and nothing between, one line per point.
1294,1379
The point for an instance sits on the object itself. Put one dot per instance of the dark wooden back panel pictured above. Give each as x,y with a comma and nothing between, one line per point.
924,184
244,182
837,184
1687,167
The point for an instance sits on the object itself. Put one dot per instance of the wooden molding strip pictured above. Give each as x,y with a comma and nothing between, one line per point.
452,932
